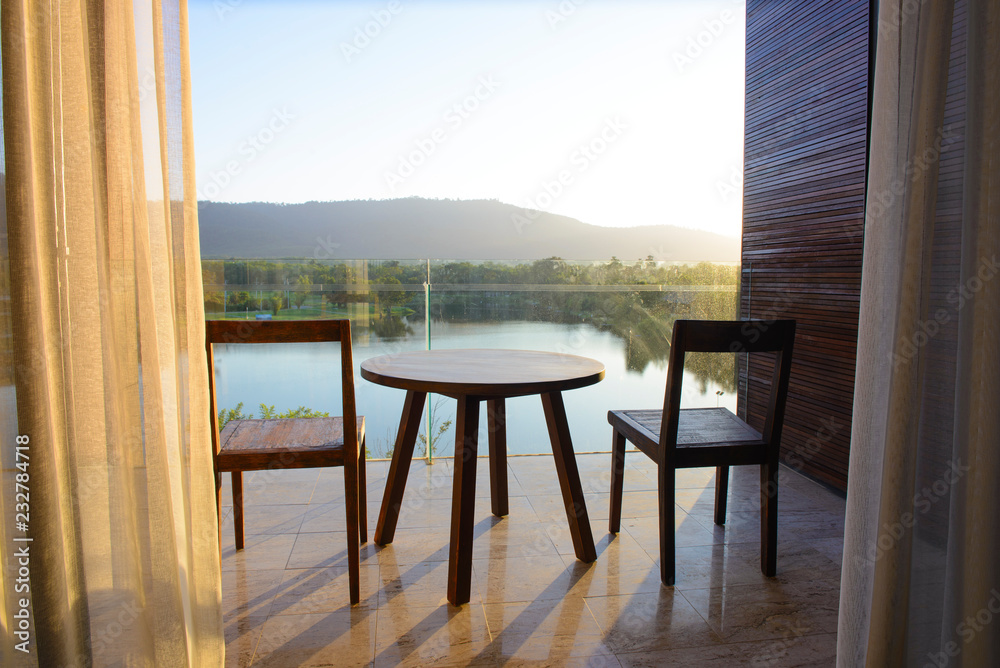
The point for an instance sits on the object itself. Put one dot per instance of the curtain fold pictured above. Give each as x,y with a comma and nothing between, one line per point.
921,580
108,331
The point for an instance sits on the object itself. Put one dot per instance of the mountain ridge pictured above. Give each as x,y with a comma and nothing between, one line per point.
416,227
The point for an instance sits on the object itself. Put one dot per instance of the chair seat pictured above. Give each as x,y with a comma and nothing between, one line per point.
702,434
248,445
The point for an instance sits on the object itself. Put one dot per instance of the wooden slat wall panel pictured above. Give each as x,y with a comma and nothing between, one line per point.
803,214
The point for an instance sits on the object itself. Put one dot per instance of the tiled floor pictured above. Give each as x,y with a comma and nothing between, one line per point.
285,598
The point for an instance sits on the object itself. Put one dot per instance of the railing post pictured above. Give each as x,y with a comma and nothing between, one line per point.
427,342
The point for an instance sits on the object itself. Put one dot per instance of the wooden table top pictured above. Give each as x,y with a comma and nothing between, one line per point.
486,373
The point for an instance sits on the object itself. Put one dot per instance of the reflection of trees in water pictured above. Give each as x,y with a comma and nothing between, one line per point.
645,333
390,328
718,368
642,320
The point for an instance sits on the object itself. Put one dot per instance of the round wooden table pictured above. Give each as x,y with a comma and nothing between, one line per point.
472,376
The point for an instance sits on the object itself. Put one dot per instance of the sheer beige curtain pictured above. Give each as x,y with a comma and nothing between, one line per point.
921,573
108,353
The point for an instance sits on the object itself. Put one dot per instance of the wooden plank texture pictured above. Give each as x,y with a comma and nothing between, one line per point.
697,426
803,216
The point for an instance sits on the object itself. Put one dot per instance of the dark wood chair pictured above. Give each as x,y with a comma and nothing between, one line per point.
689,438
291,443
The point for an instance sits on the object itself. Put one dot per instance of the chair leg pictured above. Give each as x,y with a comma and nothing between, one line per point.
769,518
666,485
353,529
238,507
617,480
721,493
218,505
362,494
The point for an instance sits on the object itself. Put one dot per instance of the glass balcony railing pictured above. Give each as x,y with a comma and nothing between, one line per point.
620,313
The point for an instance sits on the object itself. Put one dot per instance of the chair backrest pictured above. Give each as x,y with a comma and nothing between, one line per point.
730,336
287,331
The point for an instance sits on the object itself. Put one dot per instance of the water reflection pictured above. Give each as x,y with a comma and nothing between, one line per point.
291,375
391,328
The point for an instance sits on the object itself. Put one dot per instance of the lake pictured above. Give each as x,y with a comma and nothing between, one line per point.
292,375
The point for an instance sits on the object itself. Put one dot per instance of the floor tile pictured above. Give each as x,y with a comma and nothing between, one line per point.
687,532
649,621
265,490
767,611
314,590
558,531
549,631
268,518
789,651
242,635
325,549
248,593
419,584
332,516
526,579
622,567
261,552
341,638
831,548
443,635
413,546
551,507
594,661
743,527
503,539
722,565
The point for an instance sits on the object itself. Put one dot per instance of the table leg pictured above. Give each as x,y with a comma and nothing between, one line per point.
463,502
402,454
569,477
497,420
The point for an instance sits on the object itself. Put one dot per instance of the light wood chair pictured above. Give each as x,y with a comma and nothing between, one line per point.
291,443
675,438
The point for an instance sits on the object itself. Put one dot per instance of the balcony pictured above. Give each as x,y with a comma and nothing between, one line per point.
285,595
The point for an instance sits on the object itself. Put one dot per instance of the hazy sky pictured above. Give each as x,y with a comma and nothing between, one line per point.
616,113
